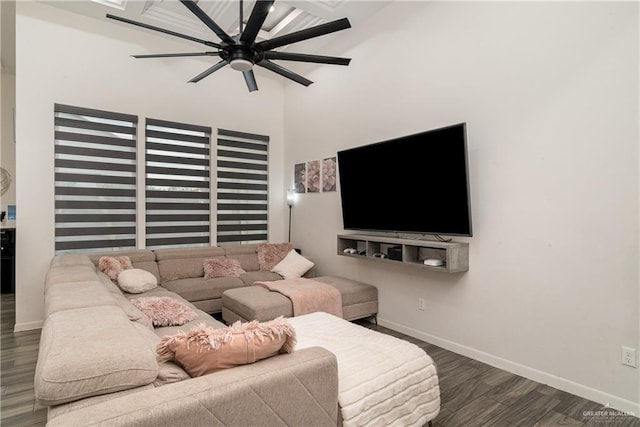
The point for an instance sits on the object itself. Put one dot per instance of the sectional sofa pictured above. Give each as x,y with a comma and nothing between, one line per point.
98,365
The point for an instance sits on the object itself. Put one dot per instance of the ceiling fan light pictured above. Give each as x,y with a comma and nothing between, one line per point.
241,64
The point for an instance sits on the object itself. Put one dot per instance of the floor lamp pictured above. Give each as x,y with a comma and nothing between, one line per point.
290,197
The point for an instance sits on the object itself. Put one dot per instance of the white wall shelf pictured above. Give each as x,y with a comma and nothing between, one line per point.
455,255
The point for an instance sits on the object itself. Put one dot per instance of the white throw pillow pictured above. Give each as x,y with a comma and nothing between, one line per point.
292,266
136,281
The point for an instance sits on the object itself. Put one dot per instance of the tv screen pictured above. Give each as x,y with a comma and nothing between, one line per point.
414,184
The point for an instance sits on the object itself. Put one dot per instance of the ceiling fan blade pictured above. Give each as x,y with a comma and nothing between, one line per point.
175,55
258,15
208,71
302,57
195,9
162,30
250,78
297,36
265,63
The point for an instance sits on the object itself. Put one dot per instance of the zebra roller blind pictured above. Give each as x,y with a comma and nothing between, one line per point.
242,167
177,184
95,180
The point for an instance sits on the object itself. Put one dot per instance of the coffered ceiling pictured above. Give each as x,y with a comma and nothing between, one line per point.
287,16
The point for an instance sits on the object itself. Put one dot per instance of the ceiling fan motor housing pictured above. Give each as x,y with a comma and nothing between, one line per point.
241,56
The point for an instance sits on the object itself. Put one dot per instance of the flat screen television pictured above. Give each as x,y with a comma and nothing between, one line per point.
413,184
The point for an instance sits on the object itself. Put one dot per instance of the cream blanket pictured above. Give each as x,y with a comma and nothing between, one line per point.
383,380
307,296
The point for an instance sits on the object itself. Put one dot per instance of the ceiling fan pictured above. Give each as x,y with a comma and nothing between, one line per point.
242,51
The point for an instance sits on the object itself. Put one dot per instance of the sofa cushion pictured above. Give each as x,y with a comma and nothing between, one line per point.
255,303
270,254
74,295
133,313
112,266
168,372
184,263
164,311
250,277
205,350
71,259
202,319
197,289
222,267
352,292
68,274
88,352
246,254
136,281
144,259
108,283
293,266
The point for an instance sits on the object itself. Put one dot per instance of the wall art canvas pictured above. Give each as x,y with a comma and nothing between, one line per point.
299,183
329,174
313,176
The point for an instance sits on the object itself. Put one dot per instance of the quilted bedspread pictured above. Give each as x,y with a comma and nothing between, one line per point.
383,380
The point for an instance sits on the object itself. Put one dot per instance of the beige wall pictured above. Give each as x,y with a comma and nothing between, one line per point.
549,92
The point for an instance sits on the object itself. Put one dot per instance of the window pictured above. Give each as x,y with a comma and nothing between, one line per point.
242,162
177,184
95,180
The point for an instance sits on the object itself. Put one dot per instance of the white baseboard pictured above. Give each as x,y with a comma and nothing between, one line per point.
615,402
28,326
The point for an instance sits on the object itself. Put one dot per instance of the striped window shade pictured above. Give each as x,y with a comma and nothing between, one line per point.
177,184
95,180
242,167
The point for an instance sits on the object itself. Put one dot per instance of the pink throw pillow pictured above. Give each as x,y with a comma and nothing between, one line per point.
222,267
270,254
204,350
113,266
165,311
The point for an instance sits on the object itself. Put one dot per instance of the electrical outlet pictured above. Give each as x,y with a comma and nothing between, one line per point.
629,356
421,304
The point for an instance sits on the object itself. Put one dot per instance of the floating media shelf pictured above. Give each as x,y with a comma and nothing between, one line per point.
455,255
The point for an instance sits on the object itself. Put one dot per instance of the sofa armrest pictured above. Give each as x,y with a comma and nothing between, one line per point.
289,389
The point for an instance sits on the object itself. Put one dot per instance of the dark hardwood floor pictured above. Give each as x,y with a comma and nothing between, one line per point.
19,353
472,393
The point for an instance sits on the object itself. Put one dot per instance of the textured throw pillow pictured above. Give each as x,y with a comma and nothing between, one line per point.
269,254
293,266
204,350
136,281
113,266
165,311
222,267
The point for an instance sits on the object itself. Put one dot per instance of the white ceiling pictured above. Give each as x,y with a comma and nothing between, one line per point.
292,15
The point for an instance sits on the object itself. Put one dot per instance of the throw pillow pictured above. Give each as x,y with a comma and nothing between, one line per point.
269,254
165,311
222,267
293,266
136,281
204,350
113,266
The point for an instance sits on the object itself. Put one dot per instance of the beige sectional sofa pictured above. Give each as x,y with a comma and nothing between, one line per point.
97,363
181,271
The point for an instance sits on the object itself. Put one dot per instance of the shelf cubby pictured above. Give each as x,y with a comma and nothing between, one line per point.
454,255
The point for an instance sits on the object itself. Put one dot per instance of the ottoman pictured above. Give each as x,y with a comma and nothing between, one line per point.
257,303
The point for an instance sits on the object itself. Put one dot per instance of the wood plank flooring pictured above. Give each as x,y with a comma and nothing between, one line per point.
18,354
472,393
475,394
